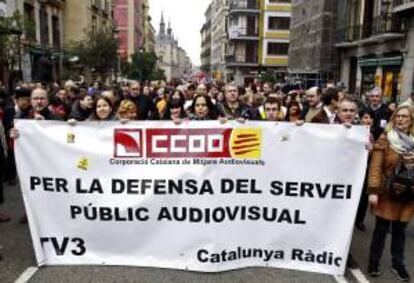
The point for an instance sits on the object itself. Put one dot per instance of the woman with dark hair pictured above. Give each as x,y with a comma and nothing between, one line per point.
203,108
293,111
177,95
103,110
175,110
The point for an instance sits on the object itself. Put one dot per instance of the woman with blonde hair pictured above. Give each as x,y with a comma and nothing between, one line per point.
392,168
127,110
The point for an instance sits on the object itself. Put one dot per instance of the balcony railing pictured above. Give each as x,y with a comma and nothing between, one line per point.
240,32
389,23
233,60
401,2
244,5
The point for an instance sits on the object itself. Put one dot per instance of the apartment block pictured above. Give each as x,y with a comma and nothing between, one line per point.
129,21
82,16
258,34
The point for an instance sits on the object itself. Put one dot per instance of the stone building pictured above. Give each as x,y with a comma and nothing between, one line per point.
149,30
170,55
42,42
219,42
312,56
375,40
80,17
206,41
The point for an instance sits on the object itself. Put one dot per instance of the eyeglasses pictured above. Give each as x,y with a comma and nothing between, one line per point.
401,116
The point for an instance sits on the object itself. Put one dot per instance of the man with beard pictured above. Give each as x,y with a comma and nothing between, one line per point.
313,104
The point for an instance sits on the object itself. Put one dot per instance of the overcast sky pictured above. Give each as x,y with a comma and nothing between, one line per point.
187,18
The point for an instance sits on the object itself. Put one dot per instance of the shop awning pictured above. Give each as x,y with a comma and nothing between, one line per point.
381,61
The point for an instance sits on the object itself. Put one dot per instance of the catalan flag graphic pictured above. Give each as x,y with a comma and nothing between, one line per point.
246,143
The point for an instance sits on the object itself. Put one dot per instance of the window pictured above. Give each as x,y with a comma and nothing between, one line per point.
30,32
277,48
279,23
44,26
56,31
94,24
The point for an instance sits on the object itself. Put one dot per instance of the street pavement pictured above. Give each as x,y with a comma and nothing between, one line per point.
18,256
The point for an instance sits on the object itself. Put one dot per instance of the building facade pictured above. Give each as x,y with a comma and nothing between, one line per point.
274,42
375,40
206,41
42,42
129,19
257,35
242,60
171,58
149,30
81,17
219,42
312,53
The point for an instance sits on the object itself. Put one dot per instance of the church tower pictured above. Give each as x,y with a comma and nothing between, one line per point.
162,25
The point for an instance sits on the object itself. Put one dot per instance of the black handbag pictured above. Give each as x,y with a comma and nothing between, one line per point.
399,185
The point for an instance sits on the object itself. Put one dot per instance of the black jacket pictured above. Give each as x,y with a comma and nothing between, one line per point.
78,113
243,111
146,107
380,114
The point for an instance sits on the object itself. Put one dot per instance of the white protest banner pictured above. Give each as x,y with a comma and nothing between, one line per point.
201,196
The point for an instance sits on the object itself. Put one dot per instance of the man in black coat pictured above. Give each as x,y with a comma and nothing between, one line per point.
144,103
380,111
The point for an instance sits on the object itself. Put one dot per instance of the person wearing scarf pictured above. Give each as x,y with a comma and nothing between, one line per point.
397,143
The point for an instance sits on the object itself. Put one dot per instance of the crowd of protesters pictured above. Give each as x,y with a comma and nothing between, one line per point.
392,130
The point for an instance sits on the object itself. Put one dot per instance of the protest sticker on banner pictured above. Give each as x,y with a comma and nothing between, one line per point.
204,197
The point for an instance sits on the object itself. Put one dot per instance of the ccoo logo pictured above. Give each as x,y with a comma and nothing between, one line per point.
184,143
128,143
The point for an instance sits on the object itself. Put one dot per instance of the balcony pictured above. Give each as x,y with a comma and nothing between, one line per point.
382,28
402,6
233,61
56,3
249,6
243,33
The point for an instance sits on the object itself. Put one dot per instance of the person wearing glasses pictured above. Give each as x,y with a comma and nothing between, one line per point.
393,148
